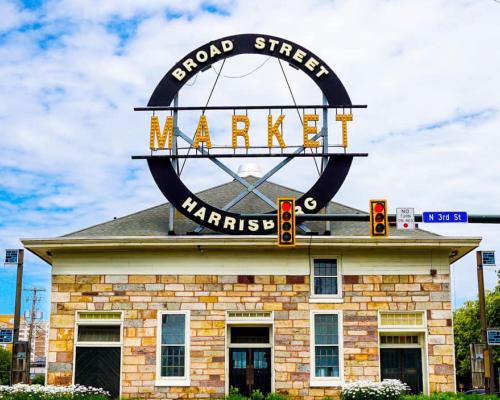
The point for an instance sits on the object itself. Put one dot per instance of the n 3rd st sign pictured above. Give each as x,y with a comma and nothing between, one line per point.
430,217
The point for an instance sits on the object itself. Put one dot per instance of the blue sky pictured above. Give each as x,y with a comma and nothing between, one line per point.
72,71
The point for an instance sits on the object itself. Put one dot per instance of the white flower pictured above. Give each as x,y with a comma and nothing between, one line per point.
49,389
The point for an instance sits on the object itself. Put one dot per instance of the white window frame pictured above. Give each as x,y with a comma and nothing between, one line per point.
402,328
76,343
326,298
322,381
173,380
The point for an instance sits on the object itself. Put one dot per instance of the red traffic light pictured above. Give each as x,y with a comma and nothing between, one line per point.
286,222
379,222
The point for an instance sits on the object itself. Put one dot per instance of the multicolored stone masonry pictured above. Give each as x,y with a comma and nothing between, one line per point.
209,298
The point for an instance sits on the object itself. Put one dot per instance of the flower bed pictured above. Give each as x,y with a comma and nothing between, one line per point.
36,392
389,389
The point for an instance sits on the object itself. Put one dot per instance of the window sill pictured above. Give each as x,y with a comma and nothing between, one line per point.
173,382
331,382
326,299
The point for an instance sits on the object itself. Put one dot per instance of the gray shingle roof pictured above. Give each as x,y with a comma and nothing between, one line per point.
154,221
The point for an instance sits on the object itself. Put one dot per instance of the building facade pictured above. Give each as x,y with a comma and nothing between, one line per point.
148,314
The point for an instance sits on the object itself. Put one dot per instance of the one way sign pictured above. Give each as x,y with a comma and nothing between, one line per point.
405,219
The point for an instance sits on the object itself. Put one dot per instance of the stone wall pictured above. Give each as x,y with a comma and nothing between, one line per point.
209,297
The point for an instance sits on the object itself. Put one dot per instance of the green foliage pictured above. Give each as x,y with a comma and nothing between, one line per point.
277,396
38,380
5,360
467,330
256,395
234,394
450,396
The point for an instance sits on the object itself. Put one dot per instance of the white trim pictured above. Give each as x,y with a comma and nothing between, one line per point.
326,298
181,380
423,344
252,320
46,247
326,381
402,328
98,344
317,299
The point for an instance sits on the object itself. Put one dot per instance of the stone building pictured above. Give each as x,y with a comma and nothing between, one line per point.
147,314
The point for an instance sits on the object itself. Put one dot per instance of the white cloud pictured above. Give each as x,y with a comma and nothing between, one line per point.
69,86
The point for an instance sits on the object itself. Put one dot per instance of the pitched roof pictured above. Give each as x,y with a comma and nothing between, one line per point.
154,221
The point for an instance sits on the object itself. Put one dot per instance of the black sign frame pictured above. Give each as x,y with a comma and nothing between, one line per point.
162,168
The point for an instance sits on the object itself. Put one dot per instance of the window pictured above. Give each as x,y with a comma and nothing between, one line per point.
249,334
402,319
326,355
99,333
173,349
325,277
399,339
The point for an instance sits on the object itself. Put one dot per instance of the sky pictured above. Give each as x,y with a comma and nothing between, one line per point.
71,72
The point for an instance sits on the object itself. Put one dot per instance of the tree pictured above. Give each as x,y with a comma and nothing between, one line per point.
5,360
467,329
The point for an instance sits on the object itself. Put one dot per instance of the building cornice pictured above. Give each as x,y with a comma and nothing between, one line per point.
44,248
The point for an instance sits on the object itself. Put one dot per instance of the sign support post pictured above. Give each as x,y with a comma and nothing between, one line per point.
175,162
15,377
488,364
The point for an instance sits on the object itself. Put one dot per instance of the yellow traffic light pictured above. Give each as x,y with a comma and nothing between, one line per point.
286,222
379,223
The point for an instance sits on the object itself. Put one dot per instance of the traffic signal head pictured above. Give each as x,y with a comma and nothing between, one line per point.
286,221
379,224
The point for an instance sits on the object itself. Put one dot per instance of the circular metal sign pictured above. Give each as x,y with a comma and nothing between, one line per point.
164,172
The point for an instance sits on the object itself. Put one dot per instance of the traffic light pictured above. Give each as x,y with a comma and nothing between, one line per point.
286,221
379,224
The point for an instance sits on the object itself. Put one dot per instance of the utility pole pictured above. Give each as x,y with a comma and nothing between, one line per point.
488,361
31,327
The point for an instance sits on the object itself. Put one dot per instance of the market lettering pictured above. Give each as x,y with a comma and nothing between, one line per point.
156,135
273,130
298,55
202,57
243,132
344,118
240,129
202,134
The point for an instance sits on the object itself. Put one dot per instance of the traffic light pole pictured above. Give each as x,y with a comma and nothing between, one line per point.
489,373
472,218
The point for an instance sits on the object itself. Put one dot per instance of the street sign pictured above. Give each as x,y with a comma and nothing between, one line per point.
488,257
493,336
444,216
11,256
405,219
6,335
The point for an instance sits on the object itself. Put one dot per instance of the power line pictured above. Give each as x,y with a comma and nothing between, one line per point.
295,103
244,75
208,100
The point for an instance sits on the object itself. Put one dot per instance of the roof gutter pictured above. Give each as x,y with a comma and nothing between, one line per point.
44,248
